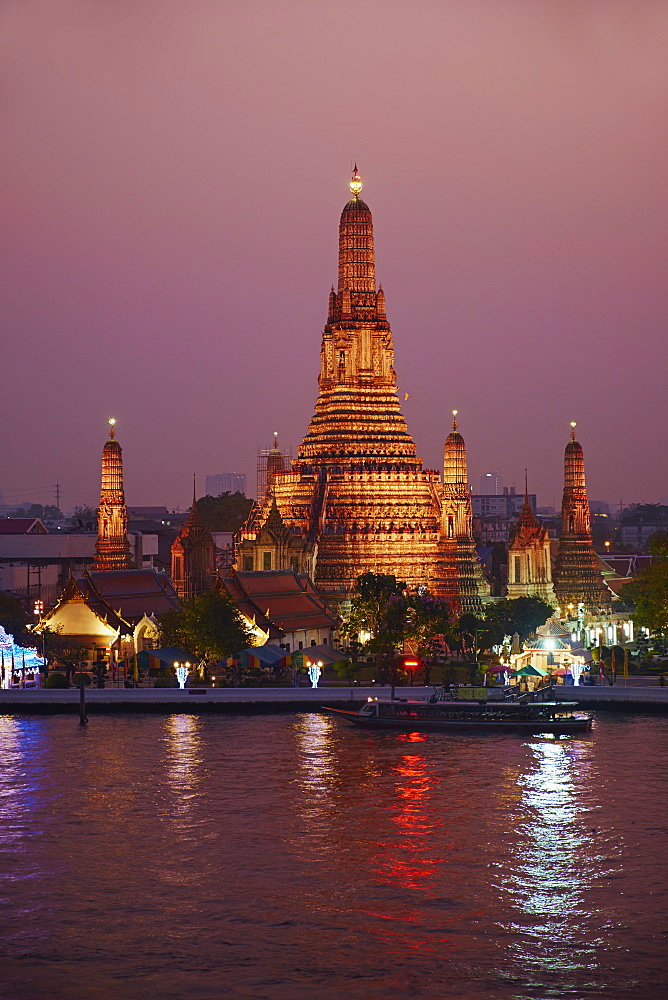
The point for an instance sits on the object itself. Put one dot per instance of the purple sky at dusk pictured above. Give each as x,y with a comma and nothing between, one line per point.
173,175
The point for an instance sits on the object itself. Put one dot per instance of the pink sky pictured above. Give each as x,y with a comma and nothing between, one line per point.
173,175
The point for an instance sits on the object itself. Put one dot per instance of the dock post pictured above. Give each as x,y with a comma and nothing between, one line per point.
83,718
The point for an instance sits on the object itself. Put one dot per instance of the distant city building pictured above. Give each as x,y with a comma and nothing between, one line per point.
225,482
506,505
640,521
491,483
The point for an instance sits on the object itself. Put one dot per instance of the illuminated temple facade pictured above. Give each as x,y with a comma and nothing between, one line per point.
112,549
577,576
356,498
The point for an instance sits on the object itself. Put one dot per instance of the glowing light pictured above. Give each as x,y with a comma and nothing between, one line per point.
314,672
356,183
182,671
20,665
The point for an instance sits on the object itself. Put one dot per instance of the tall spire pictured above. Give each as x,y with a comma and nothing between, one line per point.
459,573
112,550
357,268
577,577
358,421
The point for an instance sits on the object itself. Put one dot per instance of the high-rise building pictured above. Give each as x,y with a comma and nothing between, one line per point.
491,484
356,493
577,576
112,550
225,482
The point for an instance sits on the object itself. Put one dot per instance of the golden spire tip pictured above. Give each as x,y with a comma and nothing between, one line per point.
112,423
573,426
356,183
454,419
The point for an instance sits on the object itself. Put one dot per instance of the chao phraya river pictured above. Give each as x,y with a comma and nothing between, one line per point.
289,856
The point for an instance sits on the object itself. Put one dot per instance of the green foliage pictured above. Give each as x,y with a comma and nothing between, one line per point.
46,513
427,620
522,615
14,620
226,512
648,590
61,648
209,627
78,678
83,517
57,680
378,608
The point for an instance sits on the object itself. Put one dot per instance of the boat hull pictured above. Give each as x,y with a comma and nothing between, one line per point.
555,727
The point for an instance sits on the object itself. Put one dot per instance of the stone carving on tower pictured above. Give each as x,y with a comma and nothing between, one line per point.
356,493
529,560
112,549
193,556
459,576
577,577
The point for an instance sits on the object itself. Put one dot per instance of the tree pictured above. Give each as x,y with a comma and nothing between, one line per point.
14,620
379,609
226,512
521,614
648,590
209,627
427,623
48,513
84,518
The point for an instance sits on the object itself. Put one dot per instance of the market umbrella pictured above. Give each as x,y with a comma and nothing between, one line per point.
530,671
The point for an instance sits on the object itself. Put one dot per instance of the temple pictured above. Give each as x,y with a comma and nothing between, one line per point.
356,499
529,559
112,550
193,553
459,577
577,577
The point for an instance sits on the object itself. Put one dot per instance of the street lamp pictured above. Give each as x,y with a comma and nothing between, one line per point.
182,671
314,671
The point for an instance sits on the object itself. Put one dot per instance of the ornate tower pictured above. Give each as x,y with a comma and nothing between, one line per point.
193,556
577,577
529,562
356,492
112,550
459,578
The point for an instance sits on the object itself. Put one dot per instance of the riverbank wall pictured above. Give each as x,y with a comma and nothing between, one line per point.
169,701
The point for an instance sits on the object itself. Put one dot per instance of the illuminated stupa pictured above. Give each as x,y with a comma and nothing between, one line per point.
112,550
577,577
529,559
356,494
459,576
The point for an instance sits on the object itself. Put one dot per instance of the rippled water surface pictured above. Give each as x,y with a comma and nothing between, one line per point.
289,856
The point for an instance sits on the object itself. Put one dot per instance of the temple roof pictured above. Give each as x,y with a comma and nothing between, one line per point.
278,600
129,594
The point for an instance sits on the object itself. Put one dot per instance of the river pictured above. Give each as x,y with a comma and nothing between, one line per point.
290,857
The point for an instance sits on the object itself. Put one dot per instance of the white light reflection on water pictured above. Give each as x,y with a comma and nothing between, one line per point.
550,872
12,785
184,761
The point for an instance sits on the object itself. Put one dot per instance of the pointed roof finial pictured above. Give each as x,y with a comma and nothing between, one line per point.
526,486
194,493
573,426
356,183
454,420
112,431
275,440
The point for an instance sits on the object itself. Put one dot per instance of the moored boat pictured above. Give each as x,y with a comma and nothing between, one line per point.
555,718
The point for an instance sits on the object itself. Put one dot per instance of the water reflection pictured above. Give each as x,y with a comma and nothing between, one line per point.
12,791
316,772
184,763
551,873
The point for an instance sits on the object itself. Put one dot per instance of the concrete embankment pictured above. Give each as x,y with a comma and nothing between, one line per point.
621,697
170,700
